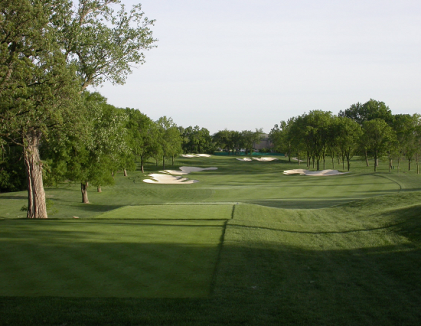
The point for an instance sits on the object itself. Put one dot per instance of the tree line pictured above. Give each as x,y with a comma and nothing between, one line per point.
369,129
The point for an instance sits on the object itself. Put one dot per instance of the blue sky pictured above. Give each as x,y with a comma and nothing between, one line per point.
252,63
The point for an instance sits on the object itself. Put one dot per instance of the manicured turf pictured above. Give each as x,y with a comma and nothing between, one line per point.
152,257
250,247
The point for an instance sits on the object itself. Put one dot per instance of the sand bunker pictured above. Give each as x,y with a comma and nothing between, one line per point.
168,179
187,170
313,173
265,159
195,155
171,179
246,159
296,159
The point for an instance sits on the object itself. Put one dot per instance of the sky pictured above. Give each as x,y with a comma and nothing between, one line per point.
247,64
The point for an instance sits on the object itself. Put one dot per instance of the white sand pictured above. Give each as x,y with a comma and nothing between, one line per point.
265,159
171,179
246,159
313,173
296,159
195,155
187,170
168,179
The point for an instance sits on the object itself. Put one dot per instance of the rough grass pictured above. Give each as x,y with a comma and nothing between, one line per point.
257,252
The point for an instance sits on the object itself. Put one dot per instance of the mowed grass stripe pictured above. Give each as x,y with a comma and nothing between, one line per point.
108,259
176,212
362,275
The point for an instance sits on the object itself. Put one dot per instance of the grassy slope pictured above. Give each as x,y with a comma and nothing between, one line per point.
358,263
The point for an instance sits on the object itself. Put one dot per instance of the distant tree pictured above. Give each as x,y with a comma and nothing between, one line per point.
142,136
313,128
378,136
169,139
282,138
347,135
229,140
405,126
250,138
370,110
196,140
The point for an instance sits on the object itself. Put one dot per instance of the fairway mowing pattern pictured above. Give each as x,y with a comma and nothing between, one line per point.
177,212
150,258
342,265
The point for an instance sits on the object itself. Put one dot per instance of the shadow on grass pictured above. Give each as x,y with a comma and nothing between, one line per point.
255,284
13,197
98,208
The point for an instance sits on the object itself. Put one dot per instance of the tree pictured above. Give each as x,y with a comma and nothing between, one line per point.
49,54
169,138
370,110
313,129
196,140
142,136
405,127
347,135
282,138
377,136
91,157
250,138
38,88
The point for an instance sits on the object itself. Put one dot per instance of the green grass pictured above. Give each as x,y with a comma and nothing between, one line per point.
244,246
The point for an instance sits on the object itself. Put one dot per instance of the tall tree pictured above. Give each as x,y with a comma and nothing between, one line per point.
49,53
38,88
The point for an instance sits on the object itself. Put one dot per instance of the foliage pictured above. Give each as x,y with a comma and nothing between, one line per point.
142,135
196,140
377,136
370,110
50,52
169,138
12,172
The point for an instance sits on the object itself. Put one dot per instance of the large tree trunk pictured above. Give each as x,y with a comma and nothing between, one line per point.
409,164
125,172
33,166
366,158
99,189
84,190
